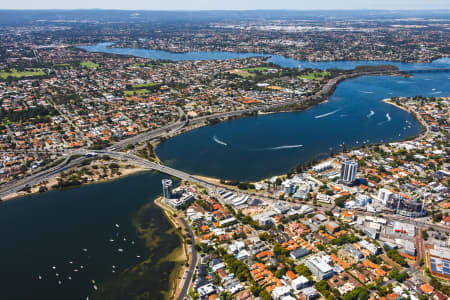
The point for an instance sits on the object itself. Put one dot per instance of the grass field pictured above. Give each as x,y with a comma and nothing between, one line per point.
315,75
89,64
20,74
136,92
249,72
257,69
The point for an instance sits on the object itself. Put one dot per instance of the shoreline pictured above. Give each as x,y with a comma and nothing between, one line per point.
176,276
137,169
424,126
168,50
53,180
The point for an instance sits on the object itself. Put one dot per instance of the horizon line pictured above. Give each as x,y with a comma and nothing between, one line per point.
212,10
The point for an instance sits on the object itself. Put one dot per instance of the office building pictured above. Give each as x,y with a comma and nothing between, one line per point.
406,207
349,169
385,195
167,188
319,267
175,198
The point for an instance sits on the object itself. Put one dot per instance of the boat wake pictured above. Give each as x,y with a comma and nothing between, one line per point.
280,147
388,119
219,141
285,147
366,92
371,114
327,114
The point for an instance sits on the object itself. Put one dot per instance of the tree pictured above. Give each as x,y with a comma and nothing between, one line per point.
256,289
265,295
301,269
395,256
359,293
340,201
278,181
400,277
279,250
323,287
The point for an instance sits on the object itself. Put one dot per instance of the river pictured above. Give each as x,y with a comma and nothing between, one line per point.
53,229
69,238
267,145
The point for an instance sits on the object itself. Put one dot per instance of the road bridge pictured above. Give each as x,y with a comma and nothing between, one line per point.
435,70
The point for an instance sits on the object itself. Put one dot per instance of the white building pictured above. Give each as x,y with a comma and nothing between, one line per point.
309,293
405,228
179,202
319,267
280,292
369,246
206,290
299,283
349,170
385,195
323,166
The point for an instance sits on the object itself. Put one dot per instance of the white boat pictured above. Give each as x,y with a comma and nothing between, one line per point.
40,277
120,250
95,287
53,267
117,225
85,250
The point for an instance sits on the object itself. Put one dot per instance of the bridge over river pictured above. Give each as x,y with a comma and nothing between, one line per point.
434,70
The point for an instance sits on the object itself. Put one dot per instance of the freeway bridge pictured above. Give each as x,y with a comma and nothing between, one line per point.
434,70
75,158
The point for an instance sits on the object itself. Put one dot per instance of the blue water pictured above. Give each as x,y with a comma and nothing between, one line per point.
276,59
267,145
262,146
52,229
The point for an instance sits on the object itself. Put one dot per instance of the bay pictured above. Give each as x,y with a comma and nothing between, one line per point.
71,236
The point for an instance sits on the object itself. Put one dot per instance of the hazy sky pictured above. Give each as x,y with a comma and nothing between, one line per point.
226,4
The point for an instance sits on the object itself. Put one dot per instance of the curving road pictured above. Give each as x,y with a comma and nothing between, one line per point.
193,265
